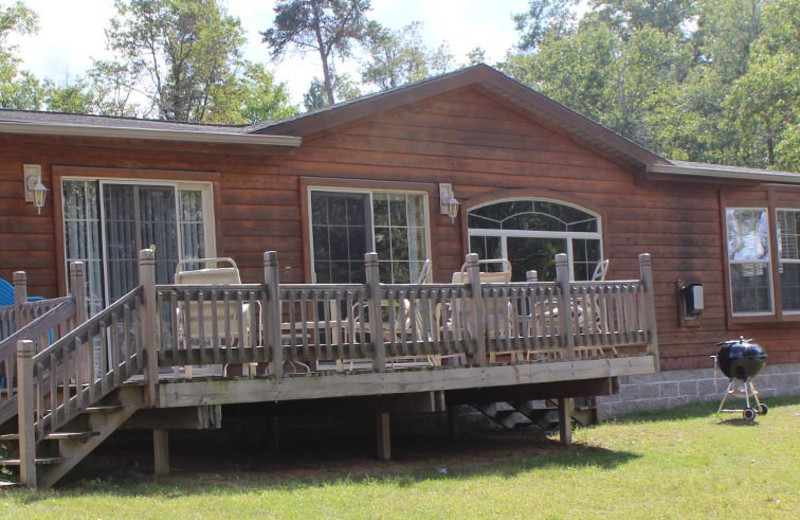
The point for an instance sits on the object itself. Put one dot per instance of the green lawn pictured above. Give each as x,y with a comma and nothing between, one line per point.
683,464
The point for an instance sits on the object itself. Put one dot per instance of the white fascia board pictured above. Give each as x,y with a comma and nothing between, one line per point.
151,134
720,173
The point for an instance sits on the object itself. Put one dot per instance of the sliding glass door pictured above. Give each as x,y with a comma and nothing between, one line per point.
107,222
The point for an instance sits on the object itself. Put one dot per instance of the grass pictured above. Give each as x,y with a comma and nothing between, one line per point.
685,463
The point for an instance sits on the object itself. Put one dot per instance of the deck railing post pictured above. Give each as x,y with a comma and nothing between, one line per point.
532,276
565,305
20,279
479,317
77,283
147,277
272,312
26,349
646,274
375,316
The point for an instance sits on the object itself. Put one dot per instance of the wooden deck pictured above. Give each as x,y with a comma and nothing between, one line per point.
204,346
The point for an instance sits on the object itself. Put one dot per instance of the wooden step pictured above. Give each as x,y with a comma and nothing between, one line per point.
39,462
57,436
103,408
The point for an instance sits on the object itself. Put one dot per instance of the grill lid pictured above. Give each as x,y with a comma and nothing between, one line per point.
741,358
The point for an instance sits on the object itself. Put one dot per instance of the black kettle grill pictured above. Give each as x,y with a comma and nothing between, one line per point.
741,359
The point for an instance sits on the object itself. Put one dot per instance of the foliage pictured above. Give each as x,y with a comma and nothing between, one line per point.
344,89
182,49
18,89
697,80
545,20
400,57
328,27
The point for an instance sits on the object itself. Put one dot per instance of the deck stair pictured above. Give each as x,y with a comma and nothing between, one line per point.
504,414
540,414
60,451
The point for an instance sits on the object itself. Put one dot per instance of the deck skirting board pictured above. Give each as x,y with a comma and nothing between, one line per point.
228,391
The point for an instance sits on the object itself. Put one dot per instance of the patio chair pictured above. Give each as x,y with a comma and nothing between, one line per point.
6,293
196,320
499,310
408,324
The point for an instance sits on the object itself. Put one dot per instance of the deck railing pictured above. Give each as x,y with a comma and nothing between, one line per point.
89,362
275,328
43,322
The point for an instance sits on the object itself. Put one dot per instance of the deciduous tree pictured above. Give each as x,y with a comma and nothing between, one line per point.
400,57
17,89
181,49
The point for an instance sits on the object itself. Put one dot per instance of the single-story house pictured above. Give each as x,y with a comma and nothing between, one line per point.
381,173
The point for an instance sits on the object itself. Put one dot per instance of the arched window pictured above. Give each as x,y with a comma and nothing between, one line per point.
530,232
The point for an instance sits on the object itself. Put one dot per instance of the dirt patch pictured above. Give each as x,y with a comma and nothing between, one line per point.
222,460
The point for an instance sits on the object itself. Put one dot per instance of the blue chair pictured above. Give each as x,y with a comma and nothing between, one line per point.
6,293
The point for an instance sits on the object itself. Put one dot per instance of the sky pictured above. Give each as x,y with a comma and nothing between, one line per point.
71,33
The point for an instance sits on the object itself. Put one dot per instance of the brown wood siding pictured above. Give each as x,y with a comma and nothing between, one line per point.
467,138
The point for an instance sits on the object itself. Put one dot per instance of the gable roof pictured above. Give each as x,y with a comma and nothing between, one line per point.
289,132
494,81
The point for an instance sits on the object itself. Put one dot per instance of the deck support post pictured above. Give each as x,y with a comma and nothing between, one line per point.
272,313
26,349
161,452
565,407
383,433
646,274
375,316
147,277
565,305
20,280
478,316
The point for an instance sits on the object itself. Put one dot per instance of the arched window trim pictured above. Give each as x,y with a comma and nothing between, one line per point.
566,235
542,199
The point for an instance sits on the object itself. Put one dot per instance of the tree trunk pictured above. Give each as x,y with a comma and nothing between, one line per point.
323,55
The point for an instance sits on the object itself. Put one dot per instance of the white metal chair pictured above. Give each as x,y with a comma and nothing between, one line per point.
408,323
199,321
499,310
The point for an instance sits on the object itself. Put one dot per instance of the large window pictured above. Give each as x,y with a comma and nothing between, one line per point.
749,260
106,223
345,225
529,233
789,259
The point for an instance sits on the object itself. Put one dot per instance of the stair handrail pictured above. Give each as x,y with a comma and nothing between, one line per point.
41,330
71,374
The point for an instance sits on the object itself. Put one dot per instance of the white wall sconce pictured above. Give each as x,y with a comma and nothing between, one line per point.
35,191
448,205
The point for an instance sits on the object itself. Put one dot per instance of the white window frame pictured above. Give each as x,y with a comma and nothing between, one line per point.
781,260
767,262
567,236
369,193
209,226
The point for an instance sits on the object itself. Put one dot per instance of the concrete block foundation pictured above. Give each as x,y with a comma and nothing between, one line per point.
679,387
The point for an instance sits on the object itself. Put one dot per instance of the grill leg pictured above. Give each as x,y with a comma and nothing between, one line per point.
728,392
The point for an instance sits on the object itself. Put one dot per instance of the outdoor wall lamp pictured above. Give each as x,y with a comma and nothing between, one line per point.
35,191
448,205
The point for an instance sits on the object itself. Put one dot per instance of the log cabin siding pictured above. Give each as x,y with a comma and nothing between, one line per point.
465,137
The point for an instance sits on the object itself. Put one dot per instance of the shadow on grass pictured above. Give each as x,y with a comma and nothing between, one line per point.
332,463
